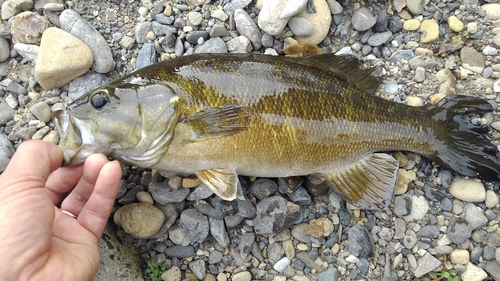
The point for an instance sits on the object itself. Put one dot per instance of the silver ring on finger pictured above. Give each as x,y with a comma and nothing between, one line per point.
69,213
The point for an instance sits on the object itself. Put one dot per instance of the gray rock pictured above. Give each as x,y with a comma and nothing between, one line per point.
298,233
163,19
83,84
474,216
193,36
214,45
27,51
402,205
446,204
429,231
180,251
275,252
493,269
72,22
146,56
198,268
426,264
4,49
164,194
225,208
179,47
168,42
363,19
247,27
475,254
379,38
219,14
459,231
218,30
234,5
240,44
263,188
214,257
267,40
300,26
200,192
415,6
161,29
171,212
141,31
300,196
245,246
218,231
16,88
488,253
274,214
11,7
6,152
472,59
275,14
246,209
207,210
360,242
330,274
195,224
42,111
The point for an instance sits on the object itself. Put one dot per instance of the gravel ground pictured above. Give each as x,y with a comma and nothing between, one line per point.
438,221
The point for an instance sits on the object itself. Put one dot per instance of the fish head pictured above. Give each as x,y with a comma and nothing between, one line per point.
132,122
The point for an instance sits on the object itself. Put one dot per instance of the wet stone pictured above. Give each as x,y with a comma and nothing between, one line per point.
360,242
146,56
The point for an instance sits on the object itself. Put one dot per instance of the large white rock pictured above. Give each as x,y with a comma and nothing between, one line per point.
275,14
468,190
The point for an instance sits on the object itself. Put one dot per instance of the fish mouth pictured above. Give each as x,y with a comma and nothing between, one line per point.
70,138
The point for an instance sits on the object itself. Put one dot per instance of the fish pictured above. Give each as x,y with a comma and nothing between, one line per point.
219,116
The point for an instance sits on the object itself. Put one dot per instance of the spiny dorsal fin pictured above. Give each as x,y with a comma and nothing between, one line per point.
218,121
367,184
223,182
346,68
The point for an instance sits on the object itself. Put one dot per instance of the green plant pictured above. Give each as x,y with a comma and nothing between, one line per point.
155,270
449,275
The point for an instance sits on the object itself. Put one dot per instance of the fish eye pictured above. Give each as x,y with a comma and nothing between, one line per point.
99,100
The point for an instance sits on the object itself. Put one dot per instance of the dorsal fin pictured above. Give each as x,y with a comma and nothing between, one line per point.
346,68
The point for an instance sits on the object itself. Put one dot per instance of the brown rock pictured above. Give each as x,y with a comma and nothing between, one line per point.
320,20
321,227
27,28
62,58
141,220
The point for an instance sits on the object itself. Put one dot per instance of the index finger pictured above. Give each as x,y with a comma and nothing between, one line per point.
32,164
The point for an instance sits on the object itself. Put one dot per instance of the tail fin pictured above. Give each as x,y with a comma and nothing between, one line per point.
465,148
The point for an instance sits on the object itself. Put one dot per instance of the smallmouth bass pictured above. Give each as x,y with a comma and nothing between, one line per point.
218,116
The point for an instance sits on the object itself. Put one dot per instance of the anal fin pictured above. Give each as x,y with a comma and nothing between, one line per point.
223,182
367,184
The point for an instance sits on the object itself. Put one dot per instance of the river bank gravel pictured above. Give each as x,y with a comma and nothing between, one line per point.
438,222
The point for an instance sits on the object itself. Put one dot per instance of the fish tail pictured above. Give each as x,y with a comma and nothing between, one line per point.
462,146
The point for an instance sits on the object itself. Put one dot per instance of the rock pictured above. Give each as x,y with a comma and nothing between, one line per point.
275,14
194,18
459,231
242,276
320,22
360,242
6,152
405,177
415,6
263,188
429,231
472,60
146,56
245,246
180,251
72,22
214,45
493,268
335,7
411,25
62,58
455,24
473,273
164,194
426,264
492,10
234,5
127,42
29,52
85,83
363,19
330,274
202,191
218,231
172,274
12,7
195,224
42,111
4,49
141,220
240,44
300,26
474,216
419,208
27,28
491,199
459,256
281,265
247,27
198,268
274,214
219,14
379,38
318,228
430,31
468,190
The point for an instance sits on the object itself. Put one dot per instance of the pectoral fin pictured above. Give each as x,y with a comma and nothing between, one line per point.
223,182
368,184
218,121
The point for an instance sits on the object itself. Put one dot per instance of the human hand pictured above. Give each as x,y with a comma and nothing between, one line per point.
37,240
